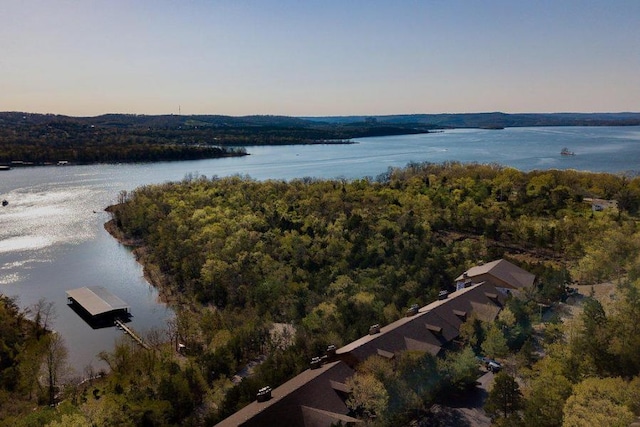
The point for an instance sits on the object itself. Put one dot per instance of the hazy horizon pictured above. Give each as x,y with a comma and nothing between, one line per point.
318,59
326,115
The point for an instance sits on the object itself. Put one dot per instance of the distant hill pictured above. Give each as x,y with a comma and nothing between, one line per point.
351,126
330,128
49,138
194,129
493,120
152,121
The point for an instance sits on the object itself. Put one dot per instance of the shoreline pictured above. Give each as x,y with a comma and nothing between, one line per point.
150,271
26,164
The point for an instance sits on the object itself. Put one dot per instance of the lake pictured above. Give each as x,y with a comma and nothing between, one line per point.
52,237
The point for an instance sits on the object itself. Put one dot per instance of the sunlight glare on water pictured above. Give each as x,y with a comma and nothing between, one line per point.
7,279
24,243
39,218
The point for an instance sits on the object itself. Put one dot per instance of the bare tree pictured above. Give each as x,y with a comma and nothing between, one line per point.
43,313
172,332
123,197
154,337
55,363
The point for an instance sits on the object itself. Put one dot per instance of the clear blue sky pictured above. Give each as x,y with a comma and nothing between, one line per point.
308,57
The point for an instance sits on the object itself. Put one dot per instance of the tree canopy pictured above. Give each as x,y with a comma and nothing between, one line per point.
275,271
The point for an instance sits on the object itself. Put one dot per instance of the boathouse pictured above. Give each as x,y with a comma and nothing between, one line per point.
96,302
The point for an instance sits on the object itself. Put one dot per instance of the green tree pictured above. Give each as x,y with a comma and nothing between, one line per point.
460,370
495,344
369,396
592,341
472,332
599,402
419,371
505,398
547,394
610,256
334,257
624,329
70,420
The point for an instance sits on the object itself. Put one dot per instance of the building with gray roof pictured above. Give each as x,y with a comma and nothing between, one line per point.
97,301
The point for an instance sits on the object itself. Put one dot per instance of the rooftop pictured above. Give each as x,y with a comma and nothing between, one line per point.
428,318
311,398
508,274
96,300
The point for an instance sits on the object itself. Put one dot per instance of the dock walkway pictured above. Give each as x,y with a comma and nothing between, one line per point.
132,334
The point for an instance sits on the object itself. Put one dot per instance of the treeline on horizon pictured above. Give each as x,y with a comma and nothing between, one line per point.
421,121
39,139
496,119
49,138
80,144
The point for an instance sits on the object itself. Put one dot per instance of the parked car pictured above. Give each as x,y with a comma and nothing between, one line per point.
490,364
494,366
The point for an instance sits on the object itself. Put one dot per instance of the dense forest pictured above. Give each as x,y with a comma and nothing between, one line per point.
275,271
42,139
48,138
32,359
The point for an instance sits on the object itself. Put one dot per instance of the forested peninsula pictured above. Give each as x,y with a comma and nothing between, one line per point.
38,139
267,274
329,258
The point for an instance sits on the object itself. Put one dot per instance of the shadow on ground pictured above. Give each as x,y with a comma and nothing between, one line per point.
463,411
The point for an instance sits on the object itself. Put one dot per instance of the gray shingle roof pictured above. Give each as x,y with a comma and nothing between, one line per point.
97,300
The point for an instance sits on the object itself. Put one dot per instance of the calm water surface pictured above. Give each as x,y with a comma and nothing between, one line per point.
52,237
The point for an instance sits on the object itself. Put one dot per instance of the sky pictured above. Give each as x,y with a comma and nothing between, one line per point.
319,58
